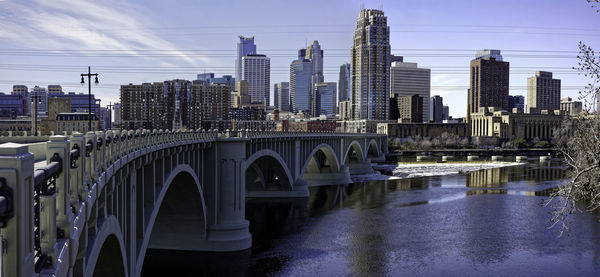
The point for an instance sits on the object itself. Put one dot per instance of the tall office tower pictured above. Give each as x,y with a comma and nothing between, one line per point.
300,82
394,58
54,90
142,106
282,96
344,83
371,66
117,117
407,79
446,113
543,92
436,109
315,55
489,82
42,98
245,47
256,70
323,102
516,101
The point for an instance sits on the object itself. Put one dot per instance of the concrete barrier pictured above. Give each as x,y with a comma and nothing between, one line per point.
422,158
522,158
447,158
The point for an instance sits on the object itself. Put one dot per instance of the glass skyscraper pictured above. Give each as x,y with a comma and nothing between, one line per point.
245,47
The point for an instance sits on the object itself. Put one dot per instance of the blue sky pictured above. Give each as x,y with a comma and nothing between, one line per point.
126,41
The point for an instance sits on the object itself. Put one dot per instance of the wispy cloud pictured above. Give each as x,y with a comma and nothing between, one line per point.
85,25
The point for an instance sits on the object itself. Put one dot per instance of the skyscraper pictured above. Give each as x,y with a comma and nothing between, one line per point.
282,96
370,66
489,82
315,55
300,82
42,98
436,109
324,99
245,47
543,92
344,83
446,113
407,79
256,70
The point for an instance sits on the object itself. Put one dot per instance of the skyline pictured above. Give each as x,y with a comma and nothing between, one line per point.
417,30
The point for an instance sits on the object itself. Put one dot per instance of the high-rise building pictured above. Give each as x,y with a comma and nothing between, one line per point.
543,92
446,113
209,78
142,106
300,82
214,100
394,58
256,70
117,117
105,118
13,105
407,79
282,96
241,94
516,101
245,47
488,82
345,110
324,99
58,105
344,83
370,66
42,98
23,91
436,109
315,55
571,107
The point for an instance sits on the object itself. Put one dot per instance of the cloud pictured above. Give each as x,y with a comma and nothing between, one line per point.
85,25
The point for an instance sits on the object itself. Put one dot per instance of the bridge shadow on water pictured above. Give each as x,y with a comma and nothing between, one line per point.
270,219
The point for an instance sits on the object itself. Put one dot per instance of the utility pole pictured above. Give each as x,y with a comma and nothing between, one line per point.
89,75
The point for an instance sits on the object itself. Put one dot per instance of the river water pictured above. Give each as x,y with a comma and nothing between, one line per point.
488,222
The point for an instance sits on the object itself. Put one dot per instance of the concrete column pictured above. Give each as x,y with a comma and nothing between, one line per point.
16,171
229,229
59,145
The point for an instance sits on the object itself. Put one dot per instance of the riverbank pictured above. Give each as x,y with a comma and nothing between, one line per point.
395,153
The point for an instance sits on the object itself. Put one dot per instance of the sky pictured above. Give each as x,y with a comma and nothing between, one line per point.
45,42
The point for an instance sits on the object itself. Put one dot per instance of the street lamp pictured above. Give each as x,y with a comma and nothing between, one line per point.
89,75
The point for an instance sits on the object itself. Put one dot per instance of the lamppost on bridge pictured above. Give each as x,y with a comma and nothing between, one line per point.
89,75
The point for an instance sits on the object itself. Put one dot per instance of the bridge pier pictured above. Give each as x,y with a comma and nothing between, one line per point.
227,228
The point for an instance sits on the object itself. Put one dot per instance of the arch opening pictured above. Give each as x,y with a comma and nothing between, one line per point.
180,223
321,161
110,259
267,173
354,154
373,151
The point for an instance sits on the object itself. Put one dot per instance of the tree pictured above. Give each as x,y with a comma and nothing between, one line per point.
520,143
582,148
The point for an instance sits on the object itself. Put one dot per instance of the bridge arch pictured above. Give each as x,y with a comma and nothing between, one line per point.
263,167
178,220
107,257
321,158
373,150
354,153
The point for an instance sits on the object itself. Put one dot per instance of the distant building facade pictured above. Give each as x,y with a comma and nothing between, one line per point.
516,101
571,107
489,82
344,83
543,92
436,109
256,70
300,83
407,79
282,96
323,101
489,122
434,129
75,122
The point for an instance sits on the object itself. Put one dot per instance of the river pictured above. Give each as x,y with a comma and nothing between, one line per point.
488,222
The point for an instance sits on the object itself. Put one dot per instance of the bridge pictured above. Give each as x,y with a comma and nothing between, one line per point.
92,204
